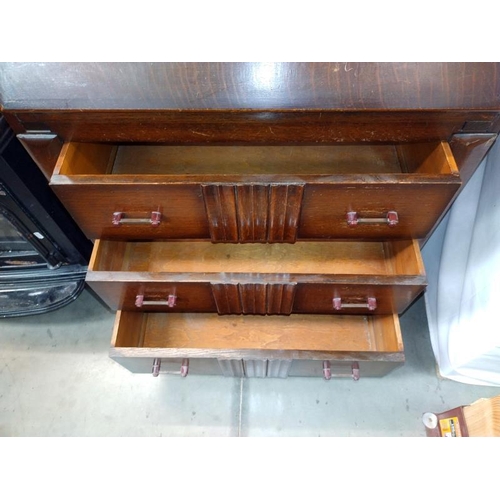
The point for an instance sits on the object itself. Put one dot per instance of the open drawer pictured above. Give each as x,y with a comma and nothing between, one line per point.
256,193
302,345
308,277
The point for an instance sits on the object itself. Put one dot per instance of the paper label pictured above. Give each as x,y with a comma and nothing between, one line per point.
450,427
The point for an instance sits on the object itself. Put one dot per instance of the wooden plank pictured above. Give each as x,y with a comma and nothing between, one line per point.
234,160
331,257
427,158
251,85
297,332
128,330
285,127
85,159
407,258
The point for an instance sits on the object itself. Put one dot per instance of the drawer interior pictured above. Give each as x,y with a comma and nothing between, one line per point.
329,257
122,160
200,334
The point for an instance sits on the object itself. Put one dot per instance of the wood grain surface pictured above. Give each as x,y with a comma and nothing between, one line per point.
253,127
308,258
277,333
235,160
253,85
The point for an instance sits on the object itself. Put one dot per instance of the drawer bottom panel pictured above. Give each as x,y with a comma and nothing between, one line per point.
257,346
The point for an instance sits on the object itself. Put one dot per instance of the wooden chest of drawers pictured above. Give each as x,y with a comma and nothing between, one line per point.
278,237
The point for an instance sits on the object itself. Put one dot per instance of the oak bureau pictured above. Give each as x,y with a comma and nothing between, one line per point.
256,219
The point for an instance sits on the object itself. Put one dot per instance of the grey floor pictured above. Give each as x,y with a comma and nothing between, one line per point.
56,380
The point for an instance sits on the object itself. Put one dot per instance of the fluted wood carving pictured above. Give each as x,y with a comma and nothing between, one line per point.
253,213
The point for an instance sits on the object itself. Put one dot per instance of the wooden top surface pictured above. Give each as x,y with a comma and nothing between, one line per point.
250,86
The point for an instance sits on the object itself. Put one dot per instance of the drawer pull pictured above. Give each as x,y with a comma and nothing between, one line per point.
327,370
183,372
355,371
391,219
170,302
371,304
119,218
185,367
156,367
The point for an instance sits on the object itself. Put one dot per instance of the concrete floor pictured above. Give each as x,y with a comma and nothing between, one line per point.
56,380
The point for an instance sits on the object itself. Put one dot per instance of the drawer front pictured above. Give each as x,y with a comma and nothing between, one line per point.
153,296
192,211
259,368
354,299
256,298
175,367
257,346
93,206
333,369
418,206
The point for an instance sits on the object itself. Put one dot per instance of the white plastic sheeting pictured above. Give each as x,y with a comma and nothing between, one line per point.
462,260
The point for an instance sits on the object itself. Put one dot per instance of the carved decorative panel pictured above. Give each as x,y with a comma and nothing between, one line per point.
254,298
253,213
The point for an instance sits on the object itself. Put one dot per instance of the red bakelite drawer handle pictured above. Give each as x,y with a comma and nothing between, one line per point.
170,302
371,304
355,371
119,219
183,372
391,219
327,370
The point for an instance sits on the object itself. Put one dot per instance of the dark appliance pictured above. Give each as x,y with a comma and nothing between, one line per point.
43,253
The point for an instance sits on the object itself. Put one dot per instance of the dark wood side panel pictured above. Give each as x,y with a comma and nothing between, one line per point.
469,150
253,213
44,148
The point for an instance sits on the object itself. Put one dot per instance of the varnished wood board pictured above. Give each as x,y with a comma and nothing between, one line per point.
209,331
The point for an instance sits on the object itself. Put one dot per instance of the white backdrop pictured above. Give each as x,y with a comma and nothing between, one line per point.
462,260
